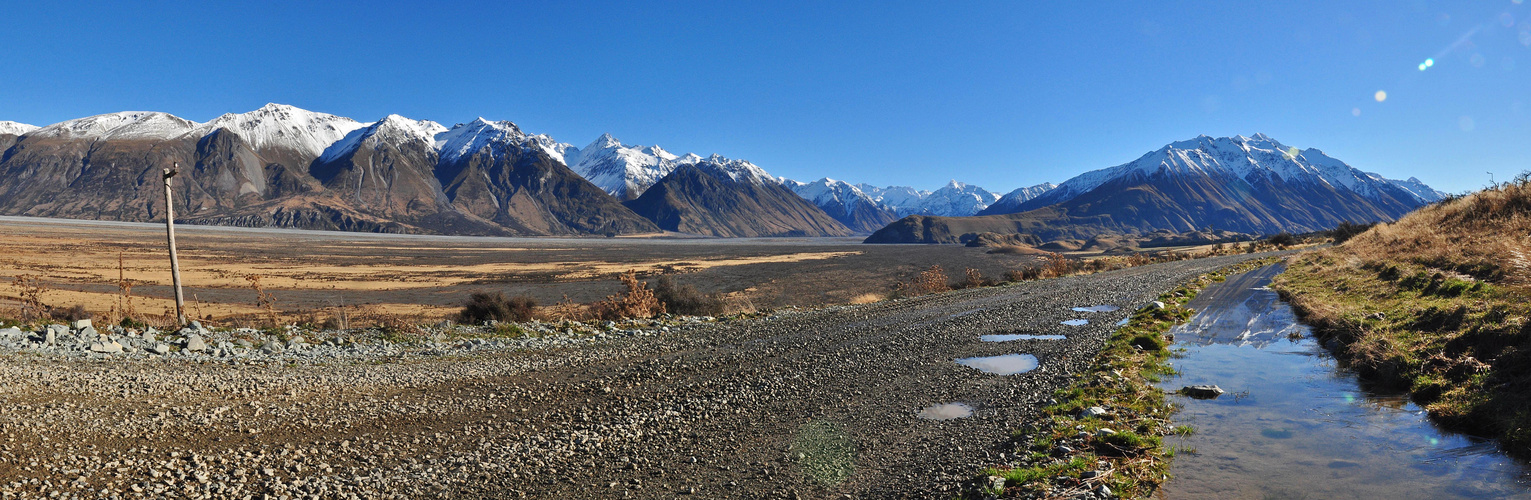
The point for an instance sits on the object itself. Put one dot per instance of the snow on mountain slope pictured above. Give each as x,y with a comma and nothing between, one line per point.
465,138
123,125
1418,188
957,199
393,129
903,200
16,128
738,170
283,126
626,171
1239,157
1010,201
829,193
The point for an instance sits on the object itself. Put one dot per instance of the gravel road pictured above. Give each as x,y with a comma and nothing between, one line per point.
819,404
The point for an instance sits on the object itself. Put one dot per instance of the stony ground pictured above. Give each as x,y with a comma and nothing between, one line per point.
818,404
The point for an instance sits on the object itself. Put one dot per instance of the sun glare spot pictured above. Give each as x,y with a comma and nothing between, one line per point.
1355,111
1291,152
1380,96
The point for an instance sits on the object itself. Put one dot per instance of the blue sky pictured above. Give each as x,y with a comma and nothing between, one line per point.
999,94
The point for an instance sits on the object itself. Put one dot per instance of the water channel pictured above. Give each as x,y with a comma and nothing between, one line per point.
1293,424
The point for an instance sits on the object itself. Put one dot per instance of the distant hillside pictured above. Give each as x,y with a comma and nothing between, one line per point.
1247,185
846,203
717,197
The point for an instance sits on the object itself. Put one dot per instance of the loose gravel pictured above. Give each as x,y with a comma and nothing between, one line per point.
819,404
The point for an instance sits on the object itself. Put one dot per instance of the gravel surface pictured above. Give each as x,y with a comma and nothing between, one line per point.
820,404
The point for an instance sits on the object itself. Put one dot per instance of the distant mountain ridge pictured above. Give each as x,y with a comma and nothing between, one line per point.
1244,184
288,167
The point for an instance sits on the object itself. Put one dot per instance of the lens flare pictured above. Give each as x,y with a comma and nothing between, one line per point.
1355,111
1429,62
1380,96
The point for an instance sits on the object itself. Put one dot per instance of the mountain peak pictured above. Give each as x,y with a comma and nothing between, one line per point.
16,128
121,125
287,127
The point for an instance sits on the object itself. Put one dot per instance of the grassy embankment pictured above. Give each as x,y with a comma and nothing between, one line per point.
1068,452
1435,304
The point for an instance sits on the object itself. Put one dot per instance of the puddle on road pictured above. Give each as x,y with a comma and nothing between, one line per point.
1297,426
1006,337
1097,309
1075,322
1008,364
946,411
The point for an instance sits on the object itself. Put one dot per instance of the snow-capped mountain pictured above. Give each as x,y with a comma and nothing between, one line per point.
1243,184
844,202
957,199
1244,158
15,128
1013,199
731,198
143,125
903,200
280,126
393,129
625,171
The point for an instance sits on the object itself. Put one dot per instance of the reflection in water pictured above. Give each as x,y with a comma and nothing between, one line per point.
1076,322
1006,337
1298,426
946,411
1009,364
1096,309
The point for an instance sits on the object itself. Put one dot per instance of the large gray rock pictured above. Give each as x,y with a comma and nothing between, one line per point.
80,324
194,343
107,348
160,348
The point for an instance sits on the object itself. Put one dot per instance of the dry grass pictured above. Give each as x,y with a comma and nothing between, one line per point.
867,298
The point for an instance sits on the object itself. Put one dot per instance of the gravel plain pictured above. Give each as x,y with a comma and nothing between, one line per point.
800,404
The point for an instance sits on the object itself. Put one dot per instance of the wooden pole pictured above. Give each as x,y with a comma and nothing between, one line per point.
175,263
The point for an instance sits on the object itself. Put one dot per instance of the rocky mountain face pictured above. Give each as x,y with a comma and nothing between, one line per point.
731,198
281,166
1244,184
847,204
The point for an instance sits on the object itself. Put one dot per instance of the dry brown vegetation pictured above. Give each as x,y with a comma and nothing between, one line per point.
1435,304
638,301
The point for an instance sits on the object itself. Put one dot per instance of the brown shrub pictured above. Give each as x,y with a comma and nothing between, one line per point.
71,313
931,280
974,279
636,302
1055,265
684,299
494,306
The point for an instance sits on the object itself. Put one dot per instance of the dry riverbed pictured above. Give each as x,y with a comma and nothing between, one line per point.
815,404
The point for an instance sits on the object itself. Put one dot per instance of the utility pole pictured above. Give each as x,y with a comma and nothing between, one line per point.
175,263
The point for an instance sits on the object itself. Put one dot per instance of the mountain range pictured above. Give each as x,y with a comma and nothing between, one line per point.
1244,184
281,166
